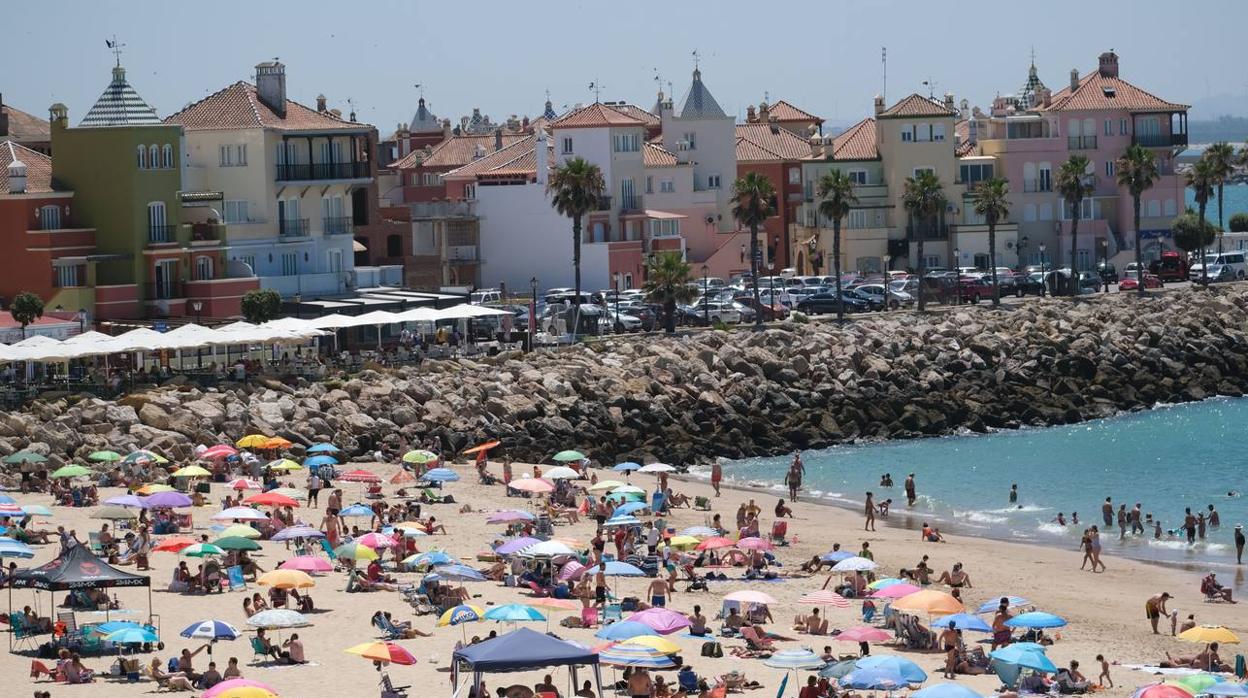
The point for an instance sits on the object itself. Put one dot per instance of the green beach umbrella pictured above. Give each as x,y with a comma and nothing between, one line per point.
111,513
240,531
419,456
145,456
204,549
71,470
235,543
105,456
25,457
569,456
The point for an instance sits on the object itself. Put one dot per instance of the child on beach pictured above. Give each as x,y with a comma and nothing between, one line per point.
1103,680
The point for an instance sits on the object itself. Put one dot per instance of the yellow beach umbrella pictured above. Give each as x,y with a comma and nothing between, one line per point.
284,464
286,579
606,485
682,541
1209,633
252,441
154,488
192,471
245,692
931,602
240,531
463,613
654,642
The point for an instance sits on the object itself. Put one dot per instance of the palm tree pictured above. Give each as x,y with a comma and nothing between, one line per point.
752,197
1137,172
1072,183
575,188
1201,179
924,200
667,283
836,194
992,201
1222,161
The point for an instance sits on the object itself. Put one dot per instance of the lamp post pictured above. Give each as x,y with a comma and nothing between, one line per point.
197,306
616,282
888,261
298,301
1044,279
706,306
1022,245
532,311
82,320
957,270
1101,270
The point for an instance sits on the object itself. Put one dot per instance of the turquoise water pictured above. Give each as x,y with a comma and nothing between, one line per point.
1236,202
1172,457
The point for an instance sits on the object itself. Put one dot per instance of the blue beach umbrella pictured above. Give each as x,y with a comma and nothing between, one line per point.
621,521
514,612
615,568
945,690
1024,655
211,630
36,510
905,668
430,558
635,656
1011,602
623,630
112,626
323,448
1227,688
440,475
1036,619
357,510
837,670
132,636
836,556
872,679
11,547
319,460
458,573
963,621
6,499
628,508
627,467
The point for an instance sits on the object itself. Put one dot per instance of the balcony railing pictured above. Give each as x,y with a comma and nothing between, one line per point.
1159,140
159,290
1032,186
206,232
338,225
293,227
443,209
632,202
1081,142
927,232
321,171
604,203
161,233
461,254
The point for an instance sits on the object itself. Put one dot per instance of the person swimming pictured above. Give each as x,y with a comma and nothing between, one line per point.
1061,519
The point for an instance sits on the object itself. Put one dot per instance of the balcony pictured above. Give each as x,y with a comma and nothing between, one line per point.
1159,140
321,171
604,203
205,232
160,290
630,202
1081,142
338,225
462,254
1036,186
927,232
443,209
161,233
293,228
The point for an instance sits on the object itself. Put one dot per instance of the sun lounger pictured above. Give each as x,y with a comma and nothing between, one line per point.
756,642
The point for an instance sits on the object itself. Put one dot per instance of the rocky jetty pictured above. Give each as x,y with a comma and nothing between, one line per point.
691,398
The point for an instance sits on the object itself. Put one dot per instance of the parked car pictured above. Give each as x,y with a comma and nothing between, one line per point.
828,303
687,315
939,288
645,313
1223,266
718,312
1131,282
1108,272
1029,285
485,295
874,294
771,311
1089,282
1171,267
974,289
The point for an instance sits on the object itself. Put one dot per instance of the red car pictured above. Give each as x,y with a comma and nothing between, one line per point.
1129,283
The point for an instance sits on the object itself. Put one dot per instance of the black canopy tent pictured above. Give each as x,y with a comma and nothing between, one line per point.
77,568
523,650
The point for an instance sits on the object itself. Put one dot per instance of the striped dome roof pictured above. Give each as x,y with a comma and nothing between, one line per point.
120,105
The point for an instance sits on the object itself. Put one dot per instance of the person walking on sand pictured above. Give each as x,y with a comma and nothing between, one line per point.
1103,679
910,495
1239,544
717,476
1155,608
794,480
1107,512
1095,541
869,510
1085,544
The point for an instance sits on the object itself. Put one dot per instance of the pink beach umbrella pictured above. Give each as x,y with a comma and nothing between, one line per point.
225,686
377,541
824,598
243,483
218,451
532,484
307,563
863,633
572,570
661,620
895,591
510,516
515,545
750,596
715,542
755,543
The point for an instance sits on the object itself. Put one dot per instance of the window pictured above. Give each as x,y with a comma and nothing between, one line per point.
153,157
667,186
1083,259
1109,127
67,276
598,232
982,260
712,181
203,268
1122,127
1154,208
1029,213
626,142
394,245
290,264
978,172
690,141
236,211
858,176
931,260
628,281
649,184
567,146
49,217
334,258
795,175
166,156
907,135
1046,176
1169,207
142,157
857,218
1109,168
1046,211
225,155
920,170
938,132
665,228
157,230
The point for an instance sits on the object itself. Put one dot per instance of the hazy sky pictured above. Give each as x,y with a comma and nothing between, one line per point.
502,57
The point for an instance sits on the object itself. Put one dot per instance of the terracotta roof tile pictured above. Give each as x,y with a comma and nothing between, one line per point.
655,155
965,148
917,105
511,159
38,168
637,112
596,115
782,144
239,107
455,151
858,142
25,127
783,111
1094,93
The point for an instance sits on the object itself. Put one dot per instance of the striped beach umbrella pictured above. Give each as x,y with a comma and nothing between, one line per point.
824,597
10,547
210,630
386,652
625,655
801,658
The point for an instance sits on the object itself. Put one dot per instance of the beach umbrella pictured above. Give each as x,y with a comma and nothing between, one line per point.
125,500
836,556
836,670
824,597
357,510
144,456
286,579
635,656
6,499
880,679
480,447
605,485
615,568
662,620
358,476
132,636
716,542
211,630
908,670
201,550
218,451
963,621
531,484
277,618
933,603
656,468
628,489
402,477
104,456
408,529
36,510
355,551
561,472
323,448
895,591
1035,619
458,615
572,570
114,513
174,544
429,558
240,514
1011,602
854,564
419,457
383,652
153,488
1161,690
550,602
626,467
319,460
458,573
251,441
863,633
307,563
13,511
1028,656
112,626
377,541
1227,688
236,543
655,642
1202,633
276,442
510,516
755,543
515,545
290,492
682,542
629,508
284,464
240,688
166,500
801,658
11,547
242,483
440,475
698,532
621,521
623,630
1196,684
239,531
514,613
549,548
885,582
945,690
750,596
568,456
192,471
71,470
271,499
30,457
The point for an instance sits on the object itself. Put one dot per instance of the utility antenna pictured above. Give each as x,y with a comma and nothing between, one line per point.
116,47
1033,55
696,59
548,95
597,88
931,88
884,65
766,96
421,87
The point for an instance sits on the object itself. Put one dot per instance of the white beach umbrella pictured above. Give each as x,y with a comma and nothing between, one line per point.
855,564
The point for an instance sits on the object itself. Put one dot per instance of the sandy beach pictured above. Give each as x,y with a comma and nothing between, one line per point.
1104,610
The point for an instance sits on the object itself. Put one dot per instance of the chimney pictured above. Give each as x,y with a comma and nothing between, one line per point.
1109,64
4,118
17,173
949,101
1045,96
774,123
271,86
542,158
1074,79
58,115
879,105
764,111
498,139
750,116
320,103
446,129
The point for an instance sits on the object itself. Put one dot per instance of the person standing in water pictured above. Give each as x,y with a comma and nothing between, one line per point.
1136,525
1215,521
717,476
1014,493
910,495
1189,525
1239,544
869,510
1122,521
1107,512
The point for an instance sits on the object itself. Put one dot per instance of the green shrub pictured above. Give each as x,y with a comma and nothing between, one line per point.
1239,223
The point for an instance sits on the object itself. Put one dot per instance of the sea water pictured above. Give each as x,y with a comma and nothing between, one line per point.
1236,202
1167,458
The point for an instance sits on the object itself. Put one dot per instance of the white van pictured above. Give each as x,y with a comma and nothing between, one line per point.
1225,266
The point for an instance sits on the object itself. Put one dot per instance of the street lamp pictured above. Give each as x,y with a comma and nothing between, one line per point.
197,306
1044,279
888,266
1101,271
298,302
1022,245
957,269
616,279
532,311
706,306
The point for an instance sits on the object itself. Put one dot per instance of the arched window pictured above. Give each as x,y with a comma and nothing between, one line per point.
394,245
153,156
157,228
203,268
142,157
166,156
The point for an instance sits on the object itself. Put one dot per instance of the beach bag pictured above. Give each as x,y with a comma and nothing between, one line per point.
712,649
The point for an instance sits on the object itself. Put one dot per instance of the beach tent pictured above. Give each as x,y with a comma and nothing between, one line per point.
523,650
